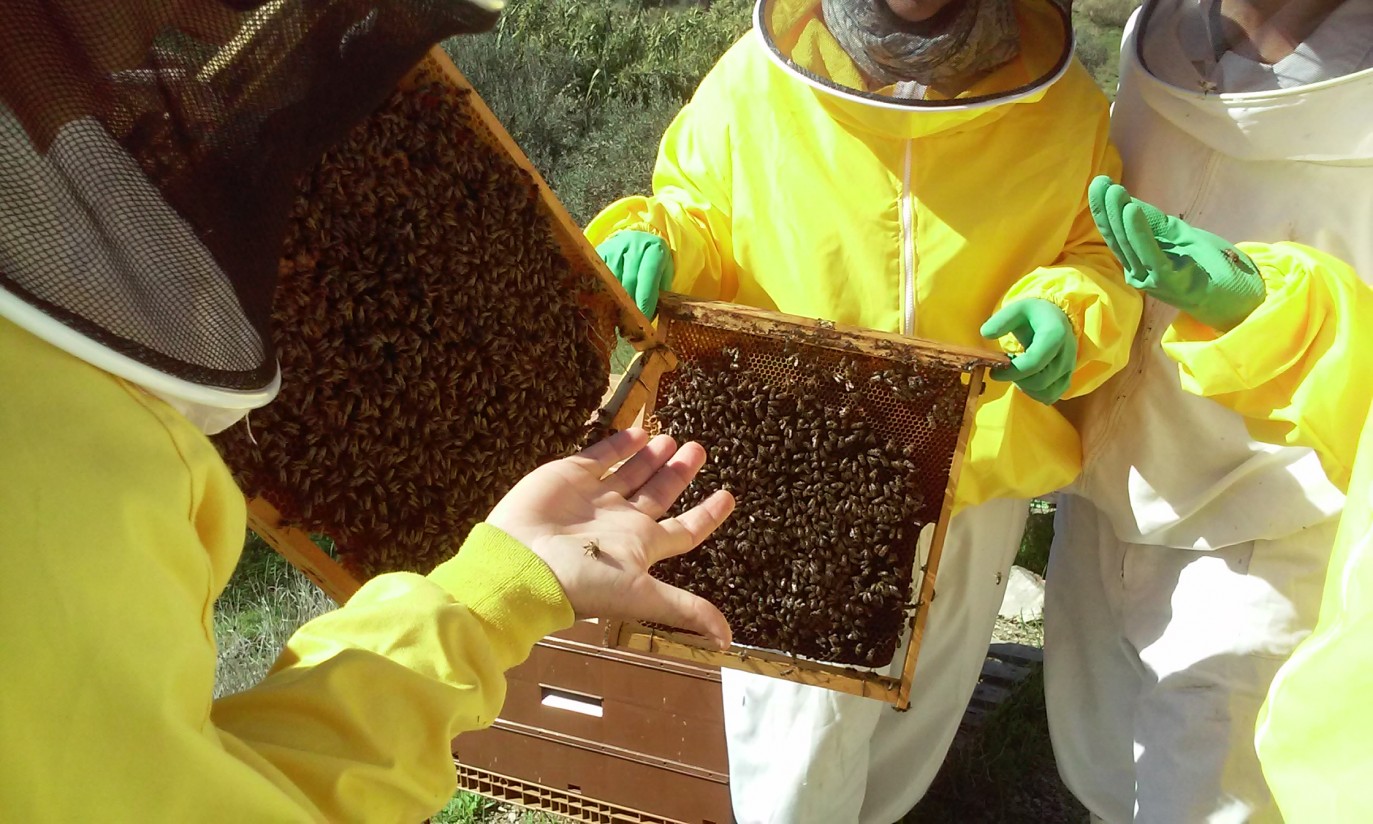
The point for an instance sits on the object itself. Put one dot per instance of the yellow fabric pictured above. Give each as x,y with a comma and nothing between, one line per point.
775,194
1298,370
120,527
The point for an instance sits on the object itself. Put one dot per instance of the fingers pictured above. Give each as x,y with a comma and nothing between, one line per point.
1060,364
600,457
1052,393
667,270
1096,204
1031,362
655,497
685,532
1055,392
639,469
666,604
1009,318
1037,360
1141,231
648,278
1116,199
1161,226
613,253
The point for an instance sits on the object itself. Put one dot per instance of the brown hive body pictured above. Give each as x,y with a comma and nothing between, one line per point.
435,345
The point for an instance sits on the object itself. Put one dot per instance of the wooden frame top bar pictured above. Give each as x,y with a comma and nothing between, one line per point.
815,332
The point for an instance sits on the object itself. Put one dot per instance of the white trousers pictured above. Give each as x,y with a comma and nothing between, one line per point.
806,755
1156,661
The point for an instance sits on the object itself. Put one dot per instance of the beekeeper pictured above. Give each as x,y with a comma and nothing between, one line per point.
126,279
1279,333
908,167
1188,563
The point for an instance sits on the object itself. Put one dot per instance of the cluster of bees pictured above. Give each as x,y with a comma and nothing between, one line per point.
818,558
435,344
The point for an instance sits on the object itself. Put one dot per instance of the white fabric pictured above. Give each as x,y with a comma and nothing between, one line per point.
805,755
1157,661
91,200
1141,648
1183,44
1169,468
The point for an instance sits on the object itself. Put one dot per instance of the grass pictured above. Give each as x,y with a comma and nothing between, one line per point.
265,602
1004,772
467,808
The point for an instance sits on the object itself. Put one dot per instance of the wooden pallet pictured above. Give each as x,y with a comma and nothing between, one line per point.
1006,667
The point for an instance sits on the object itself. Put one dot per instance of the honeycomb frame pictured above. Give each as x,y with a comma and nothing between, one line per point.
603,299
694,328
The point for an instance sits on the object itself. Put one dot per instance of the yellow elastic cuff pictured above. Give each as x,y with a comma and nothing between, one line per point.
1012,346
504,583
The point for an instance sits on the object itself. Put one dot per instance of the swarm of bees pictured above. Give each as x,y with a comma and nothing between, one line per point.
435,344
819,556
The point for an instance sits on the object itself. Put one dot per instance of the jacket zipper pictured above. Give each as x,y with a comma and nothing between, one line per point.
908,245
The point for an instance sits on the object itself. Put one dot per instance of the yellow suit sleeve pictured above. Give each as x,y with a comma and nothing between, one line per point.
359,711
1297,368
121,526
690,205
1086,282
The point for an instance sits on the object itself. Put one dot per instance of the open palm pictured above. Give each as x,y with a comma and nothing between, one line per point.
600,531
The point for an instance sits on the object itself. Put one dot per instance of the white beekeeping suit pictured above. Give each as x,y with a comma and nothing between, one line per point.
1188,559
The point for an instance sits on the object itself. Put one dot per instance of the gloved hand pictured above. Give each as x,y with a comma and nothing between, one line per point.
642,263
1045,369
1198,272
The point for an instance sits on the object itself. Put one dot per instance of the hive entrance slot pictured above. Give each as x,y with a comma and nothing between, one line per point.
559,699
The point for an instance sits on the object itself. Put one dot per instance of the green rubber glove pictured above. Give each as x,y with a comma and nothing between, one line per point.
1198,272
642,263
1045,369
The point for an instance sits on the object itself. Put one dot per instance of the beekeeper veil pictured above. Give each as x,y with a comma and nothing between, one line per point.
964,39
148,155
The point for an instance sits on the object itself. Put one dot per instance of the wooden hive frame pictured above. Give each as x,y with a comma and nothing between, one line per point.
618,412
973,363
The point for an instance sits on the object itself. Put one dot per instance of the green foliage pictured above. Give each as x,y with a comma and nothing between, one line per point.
467,808
1039,534
1097,25
587,89
634,51
1106,13
1003,772
265,601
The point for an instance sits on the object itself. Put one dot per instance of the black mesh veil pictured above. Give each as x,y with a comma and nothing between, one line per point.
148,154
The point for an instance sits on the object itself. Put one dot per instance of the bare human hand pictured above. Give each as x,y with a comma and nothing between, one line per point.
600,531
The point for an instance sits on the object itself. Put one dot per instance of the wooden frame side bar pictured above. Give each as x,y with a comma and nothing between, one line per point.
638,386
634,326
927,590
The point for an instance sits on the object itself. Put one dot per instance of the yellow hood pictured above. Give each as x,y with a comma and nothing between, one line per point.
796,39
